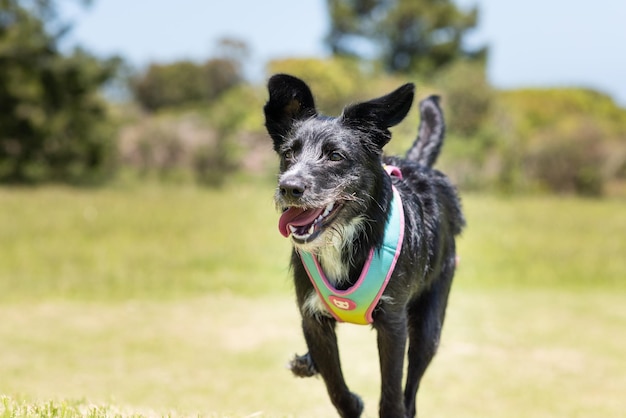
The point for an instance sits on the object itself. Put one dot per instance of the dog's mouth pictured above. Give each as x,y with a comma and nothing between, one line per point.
305,224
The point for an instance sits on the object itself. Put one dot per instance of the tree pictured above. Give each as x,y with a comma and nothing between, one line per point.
185,82
53,123
404,35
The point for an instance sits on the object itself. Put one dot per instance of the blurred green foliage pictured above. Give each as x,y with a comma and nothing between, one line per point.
204,121
183,83
468,96
206,142
538,109
557,140
53,123
407,36
566,140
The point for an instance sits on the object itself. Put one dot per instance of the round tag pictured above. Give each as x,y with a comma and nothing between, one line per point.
342,303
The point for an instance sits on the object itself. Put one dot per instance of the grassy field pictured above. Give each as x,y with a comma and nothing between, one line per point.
160,300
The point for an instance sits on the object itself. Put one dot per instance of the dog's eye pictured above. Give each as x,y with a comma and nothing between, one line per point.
288,155
335,156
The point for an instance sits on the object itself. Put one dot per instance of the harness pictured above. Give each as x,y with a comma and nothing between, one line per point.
356,304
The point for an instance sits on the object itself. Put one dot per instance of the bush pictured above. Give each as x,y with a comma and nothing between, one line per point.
203,141
54,125
569,159
563,138
184,82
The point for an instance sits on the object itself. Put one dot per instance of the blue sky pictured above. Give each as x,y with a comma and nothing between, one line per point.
532,43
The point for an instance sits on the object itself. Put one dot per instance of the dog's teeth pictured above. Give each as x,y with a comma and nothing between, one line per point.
305,235
329,208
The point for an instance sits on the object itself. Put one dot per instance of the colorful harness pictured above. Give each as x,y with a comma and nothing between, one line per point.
356,304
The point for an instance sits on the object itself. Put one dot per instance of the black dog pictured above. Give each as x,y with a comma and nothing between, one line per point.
336,198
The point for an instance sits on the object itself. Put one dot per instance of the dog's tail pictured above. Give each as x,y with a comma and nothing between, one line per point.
426,147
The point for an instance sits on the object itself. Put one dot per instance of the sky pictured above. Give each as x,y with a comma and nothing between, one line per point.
532,43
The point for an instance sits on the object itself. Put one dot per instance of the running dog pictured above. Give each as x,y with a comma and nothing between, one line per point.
373,236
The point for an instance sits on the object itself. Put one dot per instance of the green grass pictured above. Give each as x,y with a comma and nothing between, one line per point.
12,408
141,242
503,353
161,300
168,242
547,241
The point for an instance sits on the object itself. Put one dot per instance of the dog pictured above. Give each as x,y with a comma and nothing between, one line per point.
340,196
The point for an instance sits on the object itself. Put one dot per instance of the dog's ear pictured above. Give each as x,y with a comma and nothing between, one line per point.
383,112
290,100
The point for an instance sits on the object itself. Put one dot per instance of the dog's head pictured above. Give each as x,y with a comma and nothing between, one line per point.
329,167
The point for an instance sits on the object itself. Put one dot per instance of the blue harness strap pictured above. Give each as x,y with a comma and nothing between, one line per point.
356,304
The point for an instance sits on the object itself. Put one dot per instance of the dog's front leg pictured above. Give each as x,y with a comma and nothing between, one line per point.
321,339
392,335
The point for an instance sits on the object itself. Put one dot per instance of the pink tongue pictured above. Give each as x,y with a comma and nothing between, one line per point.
297,217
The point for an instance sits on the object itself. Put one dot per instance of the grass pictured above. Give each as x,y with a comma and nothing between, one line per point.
12,408
160,300
169,242
504,353
142,242
548,241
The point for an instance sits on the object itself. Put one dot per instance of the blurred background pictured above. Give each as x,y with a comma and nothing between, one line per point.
140,266
534,93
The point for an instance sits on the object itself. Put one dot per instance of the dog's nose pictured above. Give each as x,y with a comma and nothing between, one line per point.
291,189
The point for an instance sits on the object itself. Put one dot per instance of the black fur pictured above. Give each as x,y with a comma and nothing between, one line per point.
339,160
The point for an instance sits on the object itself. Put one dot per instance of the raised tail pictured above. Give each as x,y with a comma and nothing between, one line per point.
426,147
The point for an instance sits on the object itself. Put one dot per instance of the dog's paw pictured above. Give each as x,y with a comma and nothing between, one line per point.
302,366
358,406
350,406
